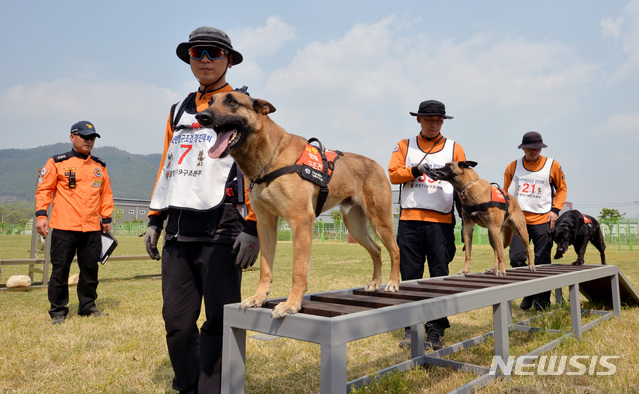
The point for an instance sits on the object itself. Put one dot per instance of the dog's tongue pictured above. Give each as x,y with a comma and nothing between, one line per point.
221,143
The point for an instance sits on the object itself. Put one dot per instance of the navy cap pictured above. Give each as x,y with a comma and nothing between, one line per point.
85,128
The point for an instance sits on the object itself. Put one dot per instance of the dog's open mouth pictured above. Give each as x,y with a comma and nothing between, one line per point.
227,137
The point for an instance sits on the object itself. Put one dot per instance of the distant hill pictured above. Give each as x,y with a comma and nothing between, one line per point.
132,175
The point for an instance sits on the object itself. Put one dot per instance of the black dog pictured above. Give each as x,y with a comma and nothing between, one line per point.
575,228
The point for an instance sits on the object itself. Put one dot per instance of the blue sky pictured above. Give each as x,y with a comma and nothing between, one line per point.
348,73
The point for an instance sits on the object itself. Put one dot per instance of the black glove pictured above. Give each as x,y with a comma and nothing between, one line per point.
423,167
151,241
246,248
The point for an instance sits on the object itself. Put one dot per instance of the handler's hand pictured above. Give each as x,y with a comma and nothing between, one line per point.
246,249
423,167
151,241
42,227
552,218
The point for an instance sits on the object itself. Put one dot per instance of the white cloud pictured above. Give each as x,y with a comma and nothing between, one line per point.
264,40
355,92
611,27
128,115
625,126
258,46
625,29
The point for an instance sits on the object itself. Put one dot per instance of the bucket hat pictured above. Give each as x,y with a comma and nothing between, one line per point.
207,36
431,107
532,140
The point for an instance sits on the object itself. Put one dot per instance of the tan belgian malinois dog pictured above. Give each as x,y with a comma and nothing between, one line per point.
487,206
358,185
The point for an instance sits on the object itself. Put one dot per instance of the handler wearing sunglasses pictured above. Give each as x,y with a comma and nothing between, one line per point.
78,185
208,219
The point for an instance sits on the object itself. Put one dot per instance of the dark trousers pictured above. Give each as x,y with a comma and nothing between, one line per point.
540,236
421,242
64,246
192,271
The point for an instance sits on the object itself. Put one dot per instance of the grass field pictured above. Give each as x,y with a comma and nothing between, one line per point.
125,351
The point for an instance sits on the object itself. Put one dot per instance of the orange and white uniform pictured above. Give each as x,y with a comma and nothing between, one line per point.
553,182
190,219
401,171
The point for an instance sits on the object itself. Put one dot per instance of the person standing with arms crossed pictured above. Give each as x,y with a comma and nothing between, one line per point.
79,187
539,185
210,232
426,222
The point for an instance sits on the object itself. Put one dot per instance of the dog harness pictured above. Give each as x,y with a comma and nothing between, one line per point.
498,199
316,165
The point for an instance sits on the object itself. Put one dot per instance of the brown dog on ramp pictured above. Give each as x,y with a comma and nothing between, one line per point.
357,184
487,206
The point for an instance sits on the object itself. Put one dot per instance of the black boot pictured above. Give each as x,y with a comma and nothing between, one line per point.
434,337
526,303
518,263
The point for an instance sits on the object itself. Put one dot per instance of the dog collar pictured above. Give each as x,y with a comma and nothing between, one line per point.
462,194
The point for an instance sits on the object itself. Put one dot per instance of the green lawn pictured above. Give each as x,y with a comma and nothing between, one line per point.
125,351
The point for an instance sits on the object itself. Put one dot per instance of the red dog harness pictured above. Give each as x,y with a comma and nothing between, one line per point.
499,199
316,165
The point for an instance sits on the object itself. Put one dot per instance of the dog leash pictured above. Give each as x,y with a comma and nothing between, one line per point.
431,148
399,197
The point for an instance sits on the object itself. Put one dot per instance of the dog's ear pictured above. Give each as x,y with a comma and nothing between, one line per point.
467,164
263,107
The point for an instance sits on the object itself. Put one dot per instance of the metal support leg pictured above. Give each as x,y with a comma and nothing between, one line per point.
616,299
417,340
575,311
234,360
559,300
509,312
500,321
333,368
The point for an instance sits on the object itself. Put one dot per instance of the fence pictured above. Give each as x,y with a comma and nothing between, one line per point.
621,233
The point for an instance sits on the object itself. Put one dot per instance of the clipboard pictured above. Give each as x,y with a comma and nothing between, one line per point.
108,246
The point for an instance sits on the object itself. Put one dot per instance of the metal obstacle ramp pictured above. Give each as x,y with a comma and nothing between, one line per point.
332,319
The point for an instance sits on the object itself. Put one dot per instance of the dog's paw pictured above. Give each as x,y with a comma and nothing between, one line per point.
282,309
492,270
463,272
250,302
373,285
499,273
532,268
392,286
